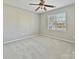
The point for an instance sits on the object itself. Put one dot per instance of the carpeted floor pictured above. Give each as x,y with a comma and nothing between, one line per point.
39,48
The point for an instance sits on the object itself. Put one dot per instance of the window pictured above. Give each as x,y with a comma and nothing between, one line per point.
57,21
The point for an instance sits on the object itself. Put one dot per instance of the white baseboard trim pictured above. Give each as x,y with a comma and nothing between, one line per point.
58,38
27,37
35,35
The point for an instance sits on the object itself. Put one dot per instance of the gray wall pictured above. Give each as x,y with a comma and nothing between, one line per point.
70,33
19,23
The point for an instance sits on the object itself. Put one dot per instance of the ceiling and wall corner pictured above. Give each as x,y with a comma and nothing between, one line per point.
24,4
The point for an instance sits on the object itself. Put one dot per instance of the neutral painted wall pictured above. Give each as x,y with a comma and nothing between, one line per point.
19,23
70,33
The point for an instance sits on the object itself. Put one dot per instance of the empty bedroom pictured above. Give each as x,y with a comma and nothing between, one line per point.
38,29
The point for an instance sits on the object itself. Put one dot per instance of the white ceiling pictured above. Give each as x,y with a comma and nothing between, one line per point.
25,4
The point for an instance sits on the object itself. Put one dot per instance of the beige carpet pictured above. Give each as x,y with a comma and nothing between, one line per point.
39,48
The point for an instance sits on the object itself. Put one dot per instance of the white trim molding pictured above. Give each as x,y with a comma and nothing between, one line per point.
37,35
57,38
26,37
